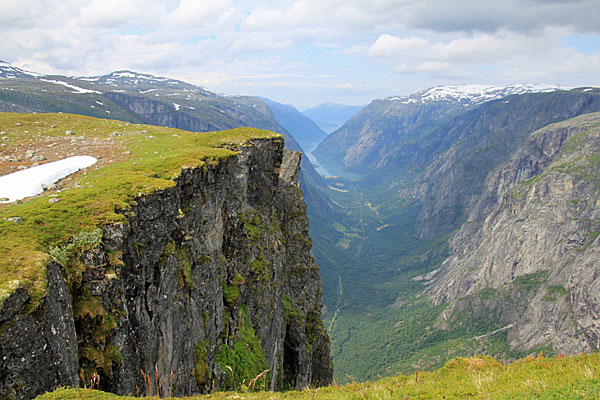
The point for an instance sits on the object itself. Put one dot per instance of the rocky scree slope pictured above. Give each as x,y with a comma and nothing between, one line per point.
209,281
527,257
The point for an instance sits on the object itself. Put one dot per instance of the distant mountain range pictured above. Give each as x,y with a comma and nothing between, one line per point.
140,98
330,116
304,129
371,138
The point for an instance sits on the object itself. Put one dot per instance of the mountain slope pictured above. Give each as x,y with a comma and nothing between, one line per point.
459,155
533,262
390,234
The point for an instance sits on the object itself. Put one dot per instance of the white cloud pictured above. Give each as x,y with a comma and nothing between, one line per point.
112,14
191,13
258,41
388,45
492,16
504,55
234,43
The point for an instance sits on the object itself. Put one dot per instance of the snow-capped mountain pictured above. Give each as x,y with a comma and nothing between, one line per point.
379,134
471,94
9,71
138,98
131,96
141,83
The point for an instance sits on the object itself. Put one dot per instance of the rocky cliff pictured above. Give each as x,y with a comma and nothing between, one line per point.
527,257
207,284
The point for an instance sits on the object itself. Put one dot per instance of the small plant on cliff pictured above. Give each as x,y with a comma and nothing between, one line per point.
289,311
162,386
82,240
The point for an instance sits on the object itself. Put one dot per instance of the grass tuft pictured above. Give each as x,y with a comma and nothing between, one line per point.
535,377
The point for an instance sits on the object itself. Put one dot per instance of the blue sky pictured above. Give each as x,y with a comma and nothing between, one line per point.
305,52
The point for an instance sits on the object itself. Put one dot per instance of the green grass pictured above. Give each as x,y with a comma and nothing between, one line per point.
535,377
158,156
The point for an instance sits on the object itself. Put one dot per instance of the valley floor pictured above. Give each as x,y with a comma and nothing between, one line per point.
538,377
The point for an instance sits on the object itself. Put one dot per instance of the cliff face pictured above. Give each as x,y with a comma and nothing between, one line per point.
208,283
528,253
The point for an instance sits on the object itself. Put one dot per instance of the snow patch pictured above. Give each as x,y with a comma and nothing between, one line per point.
472,94
124,75
76,88
33,181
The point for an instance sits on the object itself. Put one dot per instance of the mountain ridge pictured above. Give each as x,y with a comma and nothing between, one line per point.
473,93
8,71
378,131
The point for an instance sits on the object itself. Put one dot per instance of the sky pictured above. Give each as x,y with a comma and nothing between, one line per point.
306,52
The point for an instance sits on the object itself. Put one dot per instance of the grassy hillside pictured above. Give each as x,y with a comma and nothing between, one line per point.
462,378
133,160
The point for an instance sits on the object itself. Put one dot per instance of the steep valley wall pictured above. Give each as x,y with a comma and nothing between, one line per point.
527,258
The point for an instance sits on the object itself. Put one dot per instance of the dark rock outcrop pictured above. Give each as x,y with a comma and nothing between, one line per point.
38,349
203,279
